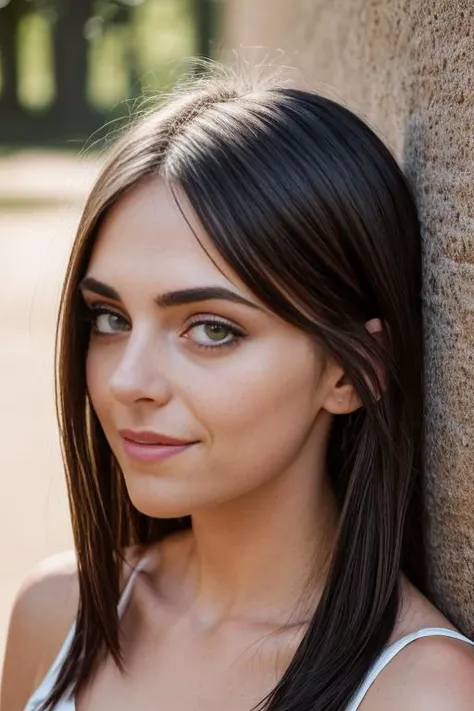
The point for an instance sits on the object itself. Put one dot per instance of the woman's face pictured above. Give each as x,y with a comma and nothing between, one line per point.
180,350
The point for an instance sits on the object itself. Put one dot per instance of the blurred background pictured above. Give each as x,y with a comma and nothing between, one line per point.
69,66
70,74
72,71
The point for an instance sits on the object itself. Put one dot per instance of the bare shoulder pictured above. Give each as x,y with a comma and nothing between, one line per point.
433,673
48,597
43,612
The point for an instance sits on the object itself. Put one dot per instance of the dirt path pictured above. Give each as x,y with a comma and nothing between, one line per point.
40,201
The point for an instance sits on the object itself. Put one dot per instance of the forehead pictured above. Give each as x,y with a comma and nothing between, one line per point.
146,237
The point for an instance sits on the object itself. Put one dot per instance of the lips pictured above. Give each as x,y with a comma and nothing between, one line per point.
152,438
152,446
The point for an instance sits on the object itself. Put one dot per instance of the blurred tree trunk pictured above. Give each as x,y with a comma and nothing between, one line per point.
70,64
204,27
10,16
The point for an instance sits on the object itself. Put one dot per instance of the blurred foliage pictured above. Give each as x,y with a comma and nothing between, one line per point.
119,49
106,10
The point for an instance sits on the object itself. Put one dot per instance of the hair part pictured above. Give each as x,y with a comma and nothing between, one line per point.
311,211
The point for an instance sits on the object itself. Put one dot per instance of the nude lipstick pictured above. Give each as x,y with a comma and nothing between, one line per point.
149,446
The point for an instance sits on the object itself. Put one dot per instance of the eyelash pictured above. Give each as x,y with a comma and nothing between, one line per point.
237,333
94,311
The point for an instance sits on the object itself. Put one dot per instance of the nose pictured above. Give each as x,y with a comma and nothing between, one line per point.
140,375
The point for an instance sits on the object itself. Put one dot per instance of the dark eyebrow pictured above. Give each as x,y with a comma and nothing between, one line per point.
98,287
202,293
172,298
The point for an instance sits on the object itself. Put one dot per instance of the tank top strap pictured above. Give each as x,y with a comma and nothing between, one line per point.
44,689
128,589
390,652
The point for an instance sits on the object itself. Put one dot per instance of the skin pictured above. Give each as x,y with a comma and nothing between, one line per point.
216,615
258,408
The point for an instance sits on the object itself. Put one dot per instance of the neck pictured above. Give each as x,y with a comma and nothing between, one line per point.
256,557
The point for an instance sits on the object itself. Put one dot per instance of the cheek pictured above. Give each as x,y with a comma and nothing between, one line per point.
98,370
266,397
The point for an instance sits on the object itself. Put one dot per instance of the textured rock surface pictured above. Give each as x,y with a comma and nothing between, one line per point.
407,67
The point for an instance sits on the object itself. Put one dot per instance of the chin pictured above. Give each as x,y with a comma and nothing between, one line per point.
154,499
154,509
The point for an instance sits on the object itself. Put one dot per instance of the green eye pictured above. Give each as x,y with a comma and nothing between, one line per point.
211,333
216,331
107,322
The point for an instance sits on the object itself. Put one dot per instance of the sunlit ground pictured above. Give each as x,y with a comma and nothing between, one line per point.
40,200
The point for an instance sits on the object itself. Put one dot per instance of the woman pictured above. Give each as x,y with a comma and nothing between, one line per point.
239,394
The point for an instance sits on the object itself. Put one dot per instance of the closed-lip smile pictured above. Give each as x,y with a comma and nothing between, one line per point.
147,437
149,446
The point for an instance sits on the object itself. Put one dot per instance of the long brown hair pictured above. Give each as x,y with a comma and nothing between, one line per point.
310,209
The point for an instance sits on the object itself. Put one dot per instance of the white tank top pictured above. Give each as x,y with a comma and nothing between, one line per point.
42,692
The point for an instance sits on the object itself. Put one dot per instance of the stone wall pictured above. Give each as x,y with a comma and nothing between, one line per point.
407,67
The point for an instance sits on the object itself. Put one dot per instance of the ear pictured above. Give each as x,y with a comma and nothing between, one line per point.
342,398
